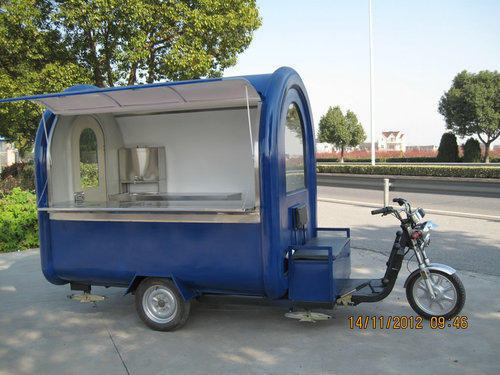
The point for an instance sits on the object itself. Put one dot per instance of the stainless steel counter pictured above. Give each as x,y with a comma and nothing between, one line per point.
147,197
146,202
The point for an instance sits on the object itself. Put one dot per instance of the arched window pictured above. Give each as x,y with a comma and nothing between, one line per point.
89,163
294,150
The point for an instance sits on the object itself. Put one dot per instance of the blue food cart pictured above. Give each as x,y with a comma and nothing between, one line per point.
199,189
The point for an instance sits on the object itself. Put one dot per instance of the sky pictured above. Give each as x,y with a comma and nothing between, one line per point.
418,47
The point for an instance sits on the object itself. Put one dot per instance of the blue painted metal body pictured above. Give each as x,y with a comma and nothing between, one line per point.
320,280
232,258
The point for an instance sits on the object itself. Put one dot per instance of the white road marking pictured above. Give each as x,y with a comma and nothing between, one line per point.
431,211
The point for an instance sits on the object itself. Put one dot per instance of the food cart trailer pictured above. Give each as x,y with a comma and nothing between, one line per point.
192,189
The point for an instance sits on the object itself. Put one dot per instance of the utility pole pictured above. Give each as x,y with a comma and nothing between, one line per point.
372,134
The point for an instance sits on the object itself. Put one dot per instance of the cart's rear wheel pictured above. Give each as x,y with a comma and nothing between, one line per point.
160,305
450,295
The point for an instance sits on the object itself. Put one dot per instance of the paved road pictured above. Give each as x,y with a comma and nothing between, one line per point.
464,243
43,332
479,205
408,163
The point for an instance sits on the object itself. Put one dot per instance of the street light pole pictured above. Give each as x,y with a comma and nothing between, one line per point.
371,88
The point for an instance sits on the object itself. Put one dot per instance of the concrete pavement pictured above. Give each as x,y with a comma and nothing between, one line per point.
43,332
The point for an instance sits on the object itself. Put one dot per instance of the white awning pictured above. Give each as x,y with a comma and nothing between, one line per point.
184,95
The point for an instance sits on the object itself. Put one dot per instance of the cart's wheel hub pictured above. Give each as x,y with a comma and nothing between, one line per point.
160,304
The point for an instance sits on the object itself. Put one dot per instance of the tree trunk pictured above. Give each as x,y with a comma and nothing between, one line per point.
94,60
342,154
487,152
151,67
132,76
109,73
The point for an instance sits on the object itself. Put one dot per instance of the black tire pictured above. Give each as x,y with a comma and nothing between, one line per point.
176,309
459,289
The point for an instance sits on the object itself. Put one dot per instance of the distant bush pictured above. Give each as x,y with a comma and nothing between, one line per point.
418,159
448,148
413,170
366,154
18,221
20,175
89,174
472,151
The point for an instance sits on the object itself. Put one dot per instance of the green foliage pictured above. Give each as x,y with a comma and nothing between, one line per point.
156,39
472,151
20,174
89,173
413,170
48,46
448,148
472,106
18,221
339,130
33,60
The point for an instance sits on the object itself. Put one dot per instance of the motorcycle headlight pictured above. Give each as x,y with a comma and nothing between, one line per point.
425,236
415,217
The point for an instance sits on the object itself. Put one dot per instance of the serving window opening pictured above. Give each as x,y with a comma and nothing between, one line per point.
177,161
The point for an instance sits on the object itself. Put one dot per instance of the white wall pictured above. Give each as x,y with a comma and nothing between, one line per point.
206,151
61,180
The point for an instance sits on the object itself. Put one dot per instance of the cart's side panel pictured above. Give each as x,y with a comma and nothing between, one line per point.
205,256
40,161
277,232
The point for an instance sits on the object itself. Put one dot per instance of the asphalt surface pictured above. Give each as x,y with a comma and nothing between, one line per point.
464,243
447,202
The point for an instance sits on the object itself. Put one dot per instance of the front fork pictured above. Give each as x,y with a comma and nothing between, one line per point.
423,262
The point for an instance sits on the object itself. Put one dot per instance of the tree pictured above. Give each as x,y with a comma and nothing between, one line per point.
448,148
33,60
472,107
132,41
339,130
49,45
472,151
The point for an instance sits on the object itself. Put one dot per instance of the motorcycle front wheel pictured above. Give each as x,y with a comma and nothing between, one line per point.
449,291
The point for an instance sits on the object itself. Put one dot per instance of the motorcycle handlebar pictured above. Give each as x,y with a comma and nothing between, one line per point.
380,211
400,201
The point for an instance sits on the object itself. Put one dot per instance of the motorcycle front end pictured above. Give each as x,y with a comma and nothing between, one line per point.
432,290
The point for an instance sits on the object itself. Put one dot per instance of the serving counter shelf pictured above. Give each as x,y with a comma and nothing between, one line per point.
151,202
